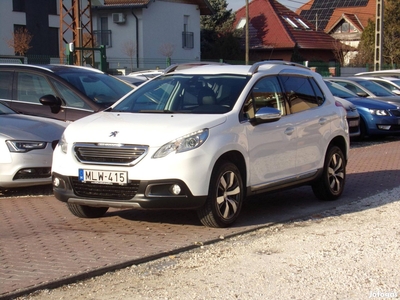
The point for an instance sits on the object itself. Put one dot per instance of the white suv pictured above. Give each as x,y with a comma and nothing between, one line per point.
204,137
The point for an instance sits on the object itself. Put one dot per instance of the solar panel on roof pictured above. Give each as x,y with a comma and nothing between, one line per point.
321,10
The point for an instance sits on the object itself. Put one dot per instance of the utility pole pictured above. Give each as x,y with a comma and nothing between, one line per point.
378,35
247,33
76,28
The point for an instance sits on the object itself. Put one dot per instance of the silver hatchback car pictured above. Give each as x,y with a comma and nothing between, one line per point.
26,148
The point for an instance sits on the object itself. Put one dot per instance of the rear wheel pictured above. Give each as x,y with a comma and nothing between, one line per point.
84,211
331,184
225,197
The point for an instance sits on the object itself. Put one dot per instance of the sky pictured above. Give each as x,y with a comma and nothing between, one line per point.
291,4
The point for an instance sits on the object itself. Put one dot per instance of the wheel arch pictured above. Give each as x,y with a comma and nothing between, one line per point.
340,142
236,158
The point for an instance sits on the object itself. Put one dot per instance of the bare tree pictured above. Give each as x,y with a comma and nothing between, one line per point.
341,51
167,49
20,41
129,48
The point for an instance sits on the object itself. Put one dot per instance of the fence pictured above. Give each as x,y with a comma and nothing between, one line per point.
125,65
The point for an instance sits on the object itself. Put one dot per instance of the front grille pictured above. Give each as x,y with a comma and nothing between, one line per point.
33,173
110,154
395,112
105,191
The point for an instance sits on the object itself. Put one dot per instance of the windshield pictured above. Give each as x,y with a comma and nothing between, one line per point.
177,93
375,88
101,88
340,91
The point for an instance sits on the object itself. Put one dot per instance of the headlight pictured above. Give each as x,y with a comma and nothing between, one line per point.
182,144
25,146
63,144
379,112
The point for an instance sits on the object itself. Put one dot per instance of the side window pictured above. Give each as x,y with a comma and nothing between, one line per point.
265,93
31,87
299,92
70,98
318,92
5,84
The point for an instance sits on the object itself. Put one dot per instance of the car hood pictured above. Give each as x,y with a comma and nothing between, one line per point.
138,128
371,103
23,127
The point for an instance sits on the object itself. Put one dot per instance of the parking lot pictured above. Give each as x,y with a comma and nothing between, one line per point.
44,246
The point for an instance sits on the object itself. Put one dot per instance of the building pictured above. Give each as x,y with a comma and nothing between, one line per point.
136,33
276,32
342,19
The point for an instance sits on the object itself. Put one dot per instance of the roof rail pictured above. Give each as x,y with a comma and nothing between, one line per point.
189,65
254,68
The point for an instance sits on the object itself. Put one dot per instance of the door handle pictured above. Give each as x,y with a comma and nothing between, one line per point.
289,131
323,121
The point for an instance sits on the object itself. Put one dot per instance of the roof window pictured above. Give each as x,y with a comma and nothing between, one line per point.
293,24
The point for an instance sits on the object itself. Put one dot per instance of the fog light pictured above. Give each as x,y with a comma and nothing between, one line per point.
384,127
175,189
56,182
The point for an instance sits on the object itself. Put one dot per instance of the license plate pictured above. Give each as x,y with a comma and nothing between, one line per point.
103,177
353,123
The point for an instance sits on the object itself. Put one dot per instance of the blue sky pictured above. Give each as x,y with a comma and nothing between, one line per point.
291,4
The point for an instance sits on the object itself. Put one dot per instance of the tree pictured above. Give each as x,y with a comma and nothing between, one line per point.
391,36
218,38
129,48
167,49
20,41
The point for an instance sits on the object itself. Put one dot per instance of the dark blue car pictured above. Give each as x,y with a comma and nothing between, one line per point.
377,117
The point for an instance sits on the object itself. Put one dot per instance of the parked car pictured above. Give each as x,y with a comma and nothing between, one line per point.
26,148
391,83
352,116
365,88
204,138
381,73
133,80
146,74
377,118
58,91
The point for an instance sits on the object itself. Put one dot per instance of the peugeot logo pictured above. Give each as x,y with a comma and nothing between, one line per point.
113,134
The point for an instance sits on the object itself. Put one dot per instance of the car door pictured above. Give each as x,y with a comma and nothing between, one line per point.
271,146
30,87
310,120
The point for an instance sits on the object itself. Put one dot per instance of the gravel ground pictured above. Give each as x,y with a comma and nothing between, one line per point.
351,252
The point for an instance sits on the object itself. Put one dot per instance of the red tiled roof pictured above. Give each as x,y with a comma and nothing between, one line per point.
269,29
357,15
360,15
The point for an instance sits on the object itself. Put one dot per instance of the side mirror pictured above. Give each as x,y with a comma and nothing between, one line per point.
362,94
52,101
266,115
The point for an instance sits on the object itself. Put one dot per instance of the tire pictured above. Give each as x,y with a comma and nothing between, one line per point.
84,211
330,185
225,196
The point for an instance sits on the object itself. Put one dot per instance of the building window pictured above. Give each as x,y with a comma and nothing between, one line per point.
293,24
187,36
103,36
241,24
345,27
19,5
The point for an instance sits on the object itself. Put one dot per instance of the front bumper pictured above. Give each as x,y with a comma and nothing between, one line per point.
153,194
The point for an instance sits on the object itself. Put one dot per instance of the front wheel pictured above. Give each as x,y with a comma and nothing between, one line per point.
84,211
225,197
331,183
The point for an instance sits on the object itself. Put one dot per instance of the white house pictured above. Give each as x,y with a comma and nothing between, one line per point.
136,33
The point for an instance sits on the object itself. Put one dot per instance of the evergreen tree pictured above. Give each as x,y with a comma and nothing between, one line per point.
218,38
391,38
